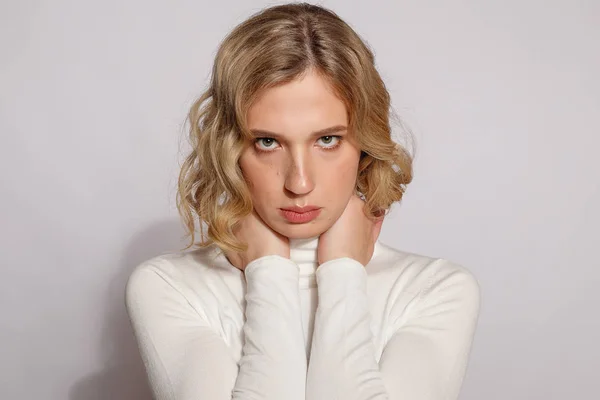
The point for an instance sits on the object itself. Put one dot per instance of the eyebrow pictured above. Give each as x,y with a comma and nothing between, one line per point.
322,132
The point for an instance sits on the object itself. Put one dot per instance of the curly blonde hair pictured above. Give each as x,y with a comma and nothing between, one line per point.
273,47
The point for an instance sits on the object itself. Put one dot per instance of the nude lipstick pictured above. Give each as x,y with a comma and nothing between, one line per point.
300,215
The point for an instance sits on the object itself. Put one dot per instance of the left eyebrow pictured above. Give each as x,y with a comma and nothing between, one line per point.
322,132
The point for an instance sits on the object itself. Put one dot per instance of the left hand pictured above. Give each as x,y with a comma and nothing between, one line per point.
352,235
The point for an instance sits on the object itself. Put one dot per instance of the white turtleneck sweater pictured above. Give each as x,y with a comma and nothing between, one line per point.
399,328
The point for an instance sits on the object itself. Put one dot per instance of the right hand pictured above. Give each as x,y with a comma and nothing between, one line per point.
261,240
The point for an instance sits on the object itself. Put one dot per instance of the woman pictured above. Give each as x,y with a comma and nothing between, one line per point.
291,295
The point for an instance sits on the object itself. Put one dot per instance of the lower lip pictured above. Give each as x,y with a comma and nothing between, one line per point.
299,218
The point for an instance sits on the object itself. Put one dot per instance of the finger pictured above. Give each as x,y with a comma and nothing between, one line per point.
379,214
377,229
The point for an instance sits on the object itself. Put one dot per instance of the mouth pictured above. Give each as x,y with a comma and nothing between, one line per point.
302,209
299,215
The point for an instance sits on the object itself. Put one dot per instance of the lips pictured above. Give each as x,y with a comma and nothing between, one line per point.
301,210
304,215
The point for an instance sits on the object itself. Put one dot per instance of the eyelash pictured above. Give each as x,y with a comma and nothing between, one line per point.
330,148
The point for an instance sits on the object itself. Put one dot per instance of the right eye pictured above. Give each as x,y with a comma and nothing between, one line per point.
267,144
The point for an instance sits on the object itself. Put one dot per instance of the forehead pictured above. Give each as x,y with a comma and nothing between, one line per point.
298,108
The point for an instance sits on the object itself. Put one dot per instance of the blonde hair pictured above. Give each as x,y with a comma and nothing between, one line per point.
273,47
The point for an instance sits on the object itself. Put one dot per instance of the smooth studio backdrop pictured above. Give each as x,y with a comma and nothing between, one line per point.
503,98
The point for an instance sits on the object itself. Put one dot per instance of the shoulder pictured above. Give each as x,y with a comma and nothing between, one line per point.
189,277
178,268
426,279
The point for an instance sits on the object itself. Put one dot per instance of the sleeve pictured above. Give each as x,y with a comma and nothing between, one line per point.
186,359
426,356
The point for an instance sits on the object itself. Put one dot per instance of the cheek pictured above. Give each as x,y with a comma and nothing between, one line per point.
343,176
263,178
339,185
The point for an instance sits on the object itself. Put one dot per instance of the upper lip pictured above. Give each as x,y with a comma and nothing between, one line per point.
299,209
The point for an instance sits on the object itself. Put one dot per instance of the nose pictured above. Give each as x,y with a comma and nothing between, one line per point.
299,175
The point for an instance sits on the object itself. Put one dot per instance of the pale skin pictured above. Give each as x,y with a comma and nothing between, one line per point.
294,162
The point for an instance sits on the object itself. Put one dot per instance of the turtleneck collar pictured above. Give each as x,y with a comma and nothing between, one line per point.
304,253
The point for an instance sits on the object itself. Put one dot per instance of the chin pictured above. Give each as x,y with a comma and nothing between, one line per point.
301,231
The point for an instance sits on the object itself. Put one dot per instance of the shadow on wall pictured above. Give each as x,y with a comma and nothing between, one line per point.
123,376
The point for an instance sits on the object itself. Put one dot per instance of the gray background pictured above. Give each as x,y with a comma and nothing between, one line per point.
503,98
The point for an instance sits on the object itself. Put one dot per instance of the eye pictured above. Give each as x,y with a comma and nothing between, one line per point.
268,143
331,142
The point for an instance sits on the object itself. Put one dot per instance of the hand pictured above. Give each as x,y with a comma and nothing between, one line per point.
352,235
262,241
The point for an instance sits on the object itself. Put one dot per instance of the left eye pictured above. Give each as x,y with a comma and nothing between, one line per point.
330,141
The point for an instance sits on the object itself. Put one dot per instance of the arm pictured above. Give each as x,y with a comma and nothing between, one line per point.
426,357
186,359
